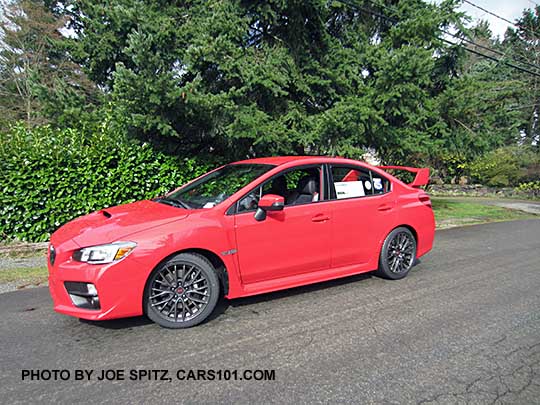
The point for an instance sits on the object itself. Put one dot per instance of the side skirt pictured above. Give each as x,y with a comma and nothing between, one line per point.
298,280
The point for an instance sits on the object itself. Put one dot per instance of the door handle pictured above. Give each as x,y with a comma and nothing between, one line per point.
384,207
320,218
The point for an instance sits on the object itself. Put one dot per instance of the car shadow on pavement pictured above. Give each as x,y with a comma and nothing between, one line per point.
223,303
123,323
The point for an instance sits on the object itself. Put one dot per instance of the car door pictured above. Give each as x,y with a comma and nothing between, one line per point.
293,241
362,207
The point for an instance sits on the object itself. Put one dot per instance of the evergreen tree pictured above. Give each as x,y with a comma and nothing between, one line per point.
39,83
248,78
523,44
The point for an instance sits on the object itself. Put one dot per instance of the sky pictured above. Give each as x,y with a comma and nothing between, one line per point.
509,9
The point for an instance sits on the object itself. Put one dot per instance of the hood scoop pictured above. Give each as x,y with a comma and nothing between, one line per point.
106,214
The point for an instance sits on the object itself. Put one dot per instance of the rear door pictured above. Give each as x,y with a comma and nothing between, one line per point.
293,241
362,208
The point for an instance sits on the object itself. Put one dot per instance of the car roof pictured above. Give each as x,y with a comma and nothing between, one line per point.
280,160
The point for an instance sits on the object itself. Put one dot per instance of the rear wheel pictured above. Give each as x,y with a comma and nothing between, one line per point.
182,292
398,254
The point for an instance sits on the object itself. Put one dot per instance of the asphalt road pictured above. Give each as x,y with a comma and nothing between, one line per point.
464,327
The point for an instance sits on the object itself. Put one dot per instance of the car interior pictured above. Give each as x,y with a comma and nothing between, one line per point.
297,187
350,182
305,192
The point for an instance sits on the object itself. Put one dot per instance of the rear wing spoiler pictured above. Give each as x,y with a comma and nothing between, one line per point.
421,178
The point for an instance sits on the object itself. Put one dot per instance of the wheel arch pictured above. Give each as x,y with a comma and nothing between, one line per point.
212,257
409,227
218,264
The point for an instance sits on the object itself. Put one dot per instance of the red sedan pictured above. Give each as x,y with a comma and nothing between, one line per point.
245,228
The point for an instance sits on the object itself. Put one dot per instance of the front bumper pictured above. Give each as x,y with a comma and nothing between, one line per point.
120,287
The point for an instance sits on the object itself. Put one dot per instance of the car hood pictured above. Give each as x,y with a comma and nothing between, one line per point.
116,223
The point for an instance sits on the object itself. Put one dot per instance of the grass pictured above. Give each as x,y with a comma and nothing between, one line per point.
25,276
450,213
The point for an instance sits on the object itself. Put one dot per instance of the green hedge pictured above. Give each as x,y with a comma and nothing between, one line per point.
49,176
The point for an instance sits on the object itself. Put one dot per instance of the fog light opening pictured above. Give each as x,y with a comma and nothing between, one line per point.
83,295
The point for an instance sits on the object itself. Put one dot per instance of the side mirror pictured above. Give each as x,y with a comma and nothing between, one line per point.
269,202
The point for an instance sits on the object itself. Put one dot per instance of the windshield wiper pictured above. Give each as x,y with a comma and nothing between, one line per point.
175,202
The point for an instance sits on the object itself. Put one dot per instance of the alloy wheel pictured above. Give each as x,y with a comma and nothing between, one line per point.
179,292
400,253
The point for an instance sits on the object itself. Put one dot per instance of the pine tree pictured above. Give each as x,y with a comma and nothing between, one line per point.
39,83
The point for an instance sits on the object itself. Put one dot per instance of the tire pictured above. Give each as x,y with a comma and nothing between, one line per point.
182,291
398,254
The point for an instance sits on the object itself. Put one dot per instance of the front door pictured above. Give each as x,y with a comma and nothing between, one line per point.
293,241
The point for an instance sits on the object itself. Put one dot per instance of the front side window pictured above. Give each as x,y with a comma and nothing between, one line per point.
217,186
298,186
351,182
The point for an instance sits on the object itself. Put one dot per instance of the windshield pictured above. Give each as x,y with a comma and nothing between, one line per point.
217,186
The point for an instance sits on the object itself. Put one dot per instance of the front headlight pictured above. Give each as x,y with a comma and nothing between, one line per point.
104,253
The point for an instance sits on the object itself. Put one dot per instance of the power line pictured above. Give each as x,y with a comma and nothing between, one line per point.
394,21
493,58
521,59
489,12
499,17
502,54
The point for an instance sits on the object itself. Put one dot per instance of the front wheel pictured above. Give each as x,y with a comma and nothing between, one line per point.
182,292
398,254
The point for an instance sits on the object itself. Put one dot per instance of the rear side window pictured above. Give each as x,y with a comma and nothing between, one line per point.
381,184
353,182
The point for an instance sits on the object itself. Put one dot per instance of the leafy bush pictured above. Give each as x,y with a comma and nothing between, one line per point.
448,165
499,168
532,187
529,186
51,176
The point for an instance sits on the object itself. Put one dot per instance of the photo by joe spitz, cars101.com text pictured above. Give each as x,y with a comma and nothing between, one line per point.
245,228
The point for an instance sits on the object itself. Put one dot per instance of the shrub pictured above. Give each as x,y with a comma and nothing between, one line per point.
531,187
51,176
448,165
499,168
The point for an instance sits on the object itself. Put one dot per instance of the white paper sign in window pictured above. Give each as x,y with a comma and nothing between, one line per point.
349,189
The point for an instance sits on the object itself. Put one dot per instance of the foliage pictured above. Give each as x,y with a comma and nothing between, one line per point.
531,186
252,78
51,176
448,165
38,81
502,167
522,44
